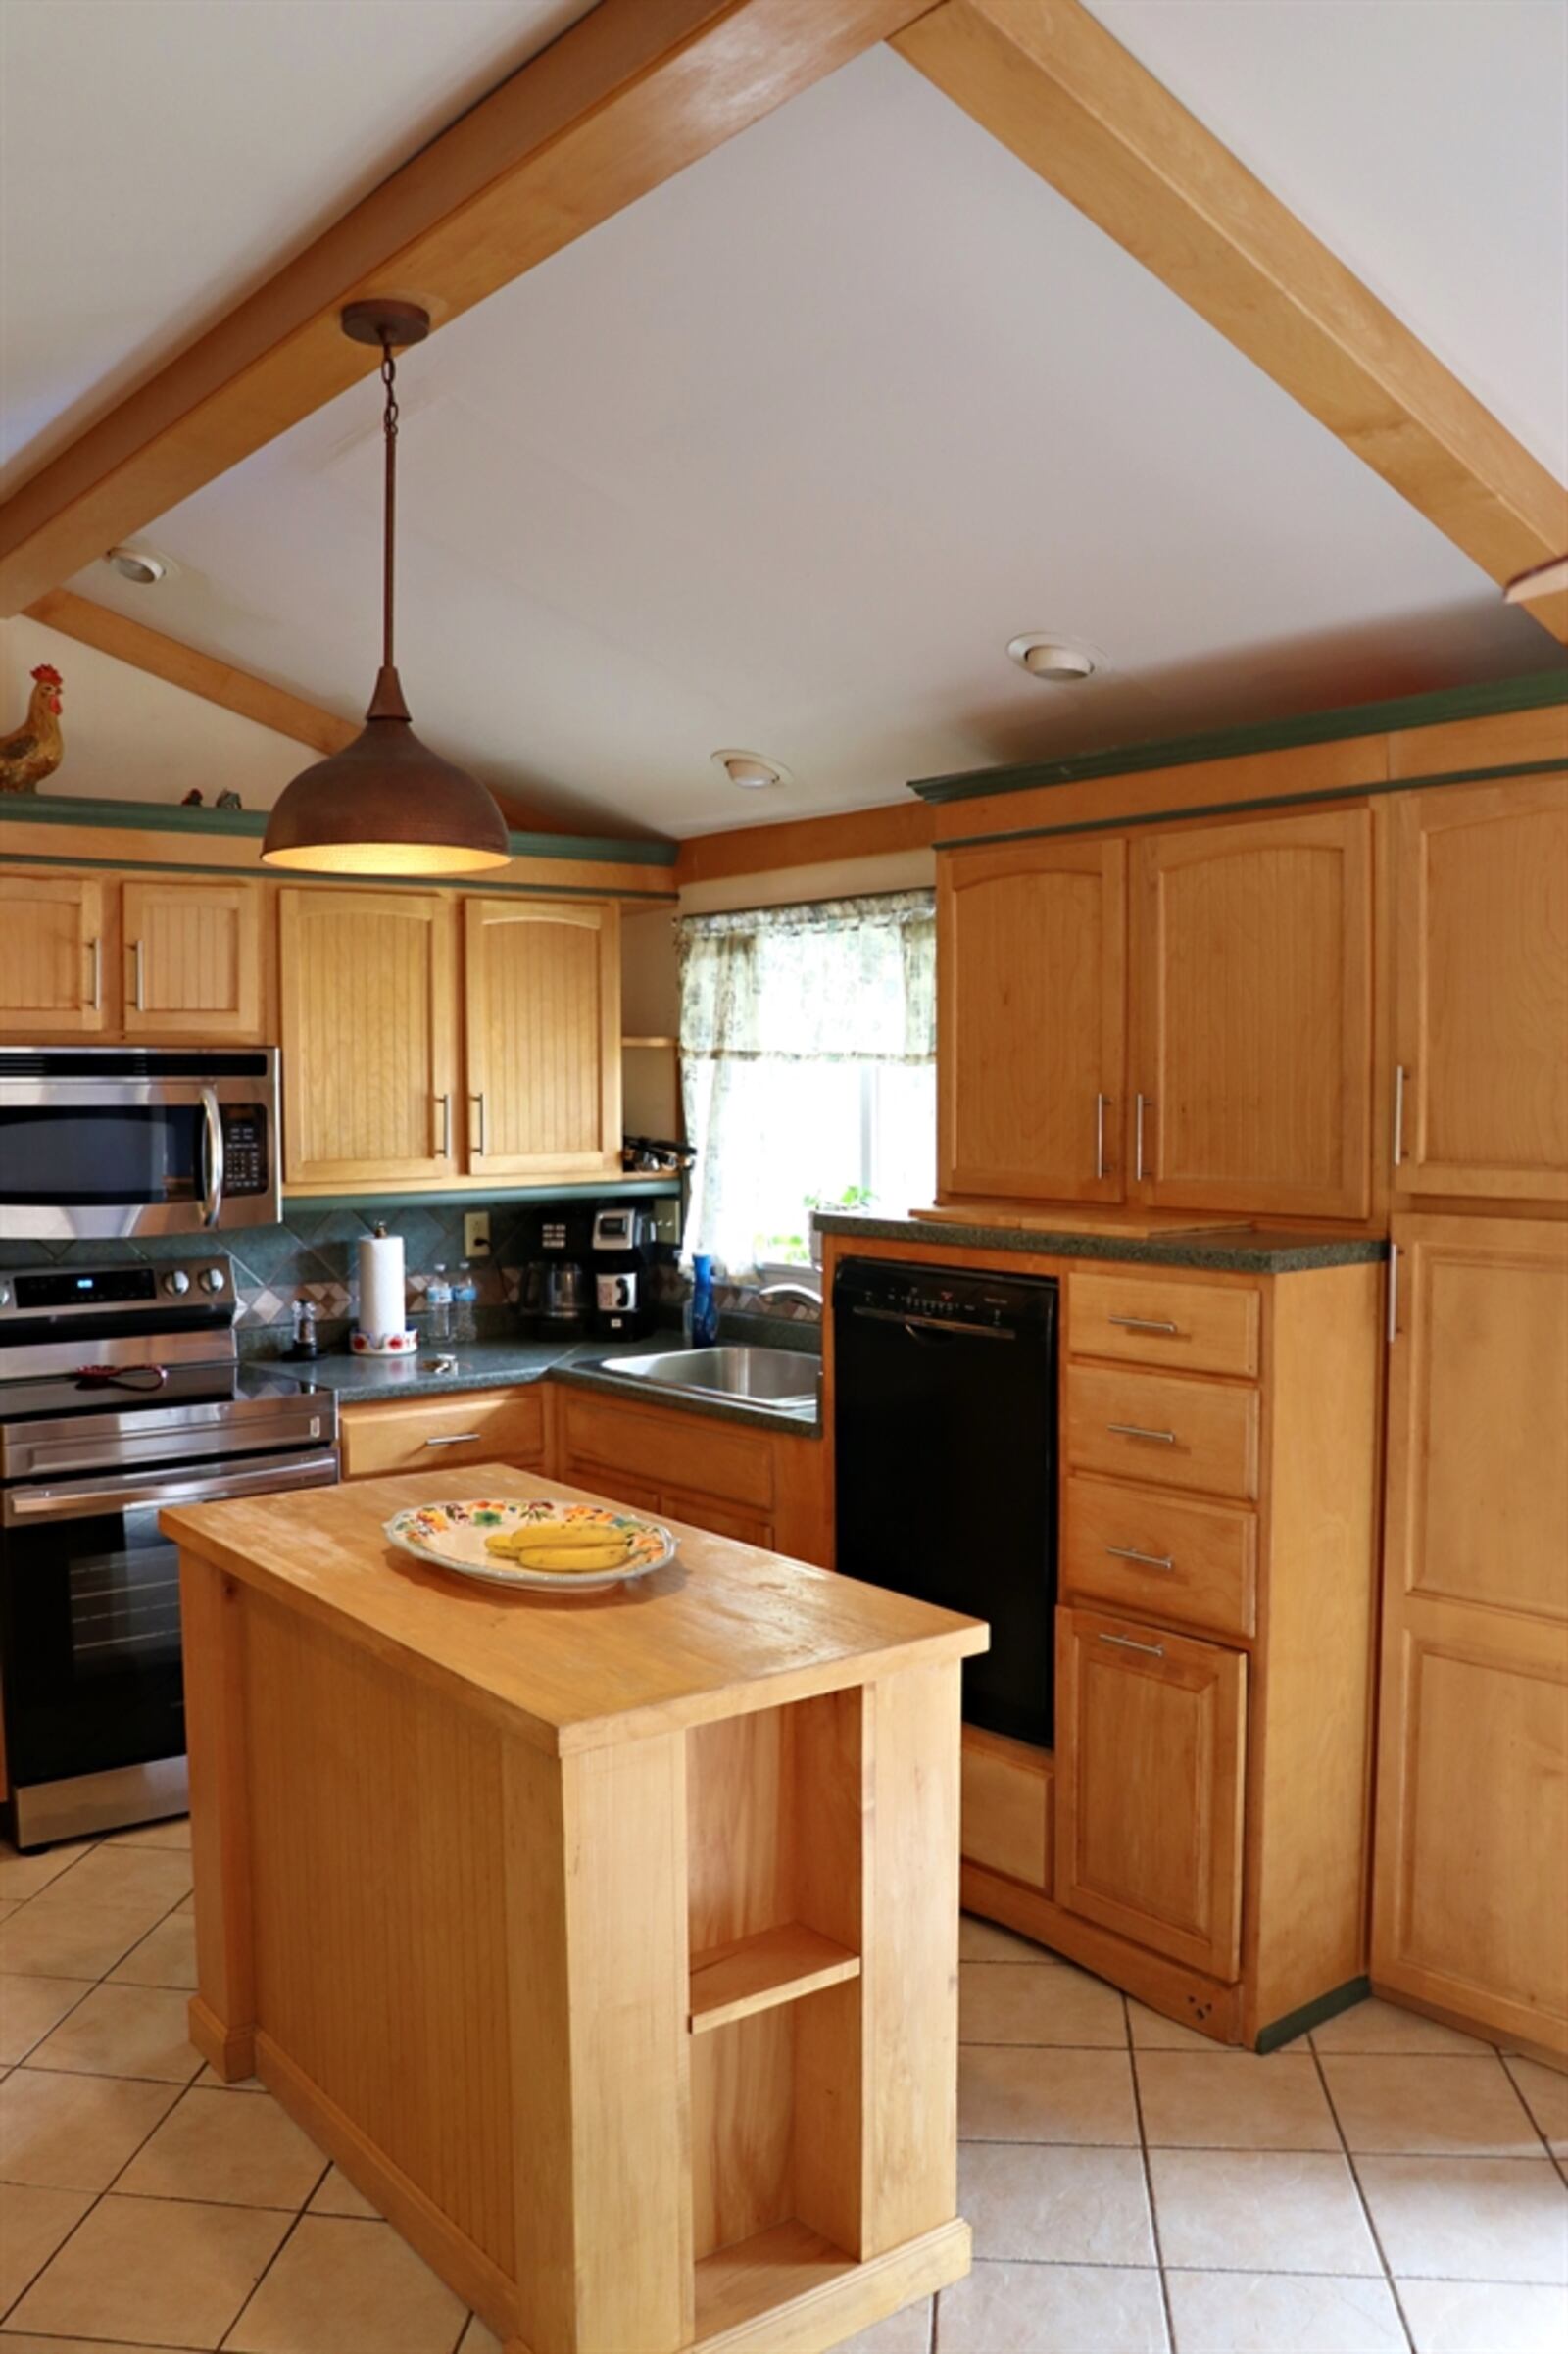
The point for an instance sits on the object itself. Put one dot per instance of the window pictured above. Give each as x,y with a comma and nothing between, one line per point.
808,1060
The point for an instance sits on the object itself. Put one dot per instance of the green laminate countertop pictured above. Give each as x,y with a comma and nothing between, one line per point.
1229,1251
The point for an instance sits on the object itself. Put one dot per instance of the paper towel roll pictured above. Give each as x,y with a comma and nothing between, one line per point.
382,1311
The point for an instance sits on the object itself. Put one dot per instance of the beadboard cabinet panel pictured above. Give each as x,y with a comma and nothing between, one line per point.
193,960
1252,1015
1031,965
368,1022
542,996
54,958
1480,1002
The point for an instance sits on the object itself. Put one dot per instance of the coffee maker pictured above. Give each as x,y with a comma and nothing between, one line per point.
623,1269
555,1293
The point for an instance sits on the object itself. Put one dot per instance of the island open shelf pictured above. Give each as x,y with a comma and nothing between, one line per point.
609,1944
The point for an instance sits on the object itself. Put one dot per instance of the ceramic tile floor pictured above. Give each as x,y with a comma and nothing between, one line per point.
1384,2184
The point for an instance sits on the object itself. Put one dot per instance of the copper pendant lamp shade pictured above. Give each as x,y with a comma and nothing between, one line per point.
386,804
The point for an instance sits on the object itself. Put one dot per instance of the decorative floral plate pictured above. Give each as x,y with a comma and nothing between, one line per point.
548,1547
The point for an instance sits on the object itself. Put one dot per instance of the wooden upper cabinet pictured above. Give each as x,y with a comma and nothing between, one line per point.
543,1078
1150,1752
193,960
1481,996
1470,1893
368,1021
54,958
1031,947
1252,1015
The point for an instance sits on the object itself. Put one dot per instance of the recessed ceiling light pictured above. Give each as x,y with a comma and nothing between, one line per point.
750,771
139,565
1055,660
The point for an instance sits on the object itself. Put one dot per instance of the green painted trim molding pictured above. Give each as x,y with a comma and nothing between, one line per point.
636,1189
1536,692
157,818
1314,2014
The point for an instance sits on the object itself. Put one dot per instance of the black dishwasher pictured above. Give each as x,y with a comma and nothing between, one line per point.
945,1425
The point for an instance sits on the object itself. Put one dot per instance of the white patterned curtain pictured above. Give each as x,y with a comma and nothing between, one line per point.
808,1039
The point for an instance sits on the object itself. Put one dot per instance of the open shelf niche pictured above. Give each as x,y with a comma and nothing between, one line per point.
776,1804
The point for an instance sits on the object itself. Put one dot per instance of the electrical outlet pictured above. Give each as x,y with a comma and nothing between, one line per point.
476,1234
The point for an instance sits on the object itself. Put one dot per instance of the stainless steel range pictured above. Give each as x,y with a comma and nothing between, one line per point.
121,1392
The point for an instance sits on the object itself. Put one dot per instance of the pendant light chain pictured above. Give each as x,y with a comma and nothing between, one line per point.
389,429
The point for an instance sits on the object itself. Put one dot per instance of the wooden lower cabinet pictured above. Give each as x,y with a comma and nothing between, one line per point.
1470,1914
763,1487
1150,1752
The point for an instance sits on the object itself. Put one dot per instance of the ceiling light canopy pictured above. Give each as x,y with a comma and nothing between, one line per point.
750,771
1056,660
386,804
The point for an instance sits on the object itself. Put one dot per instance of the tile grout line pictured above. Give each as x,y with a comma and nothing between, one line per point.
1149,2181
1360,2193
97,2197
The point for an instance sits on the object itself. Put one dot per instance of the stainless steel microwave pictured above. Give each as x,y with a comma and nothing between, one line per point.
102,1142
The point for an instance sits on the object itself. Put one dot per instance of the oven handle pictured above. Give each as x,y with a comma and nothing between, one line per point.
213,1160
22,1508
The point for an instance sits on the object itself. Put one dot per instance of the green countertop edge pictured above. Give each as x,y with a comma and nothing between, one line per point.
1537,691
1225,1254
157,818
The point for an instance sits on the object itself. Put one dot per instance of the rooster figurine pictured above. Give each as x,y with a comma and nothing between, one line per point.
37,748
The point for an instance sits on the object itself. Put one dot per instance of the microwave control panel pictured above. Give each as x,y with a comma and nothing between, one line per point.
245,1149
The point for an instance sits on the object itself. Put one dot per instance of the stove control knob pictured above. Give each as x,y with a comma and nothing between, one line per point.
177,1282
211,1279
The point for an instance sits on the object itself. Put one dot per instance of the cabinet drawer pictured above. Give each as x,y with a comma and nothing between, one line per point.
723,1520
614,1487
1199,1562
432,1434
705,1456
1006,1807
1162,1431
1186,1327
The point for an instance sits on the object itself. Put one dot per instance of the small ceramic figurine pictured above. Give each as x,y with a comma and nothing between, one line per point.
35,749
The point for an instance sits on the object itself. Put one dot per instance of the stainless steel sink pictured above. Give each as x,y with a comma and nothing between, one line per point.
785,1378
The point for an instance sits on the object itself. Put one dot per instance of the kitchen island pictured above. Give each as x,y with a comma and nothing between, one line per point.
608,1943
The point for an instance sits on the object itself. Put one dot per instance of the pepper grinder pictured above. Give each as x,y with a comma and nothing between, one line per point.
305,1343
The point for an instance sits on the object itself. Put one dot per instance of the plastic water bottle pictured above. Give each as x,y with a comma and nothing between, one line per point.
705,1306
438,1300
465,1306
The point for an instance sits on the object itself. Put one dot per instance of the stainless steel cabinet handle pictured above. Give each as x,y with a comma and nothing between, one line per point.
1142,1324
1398,1113
1129,1552
445,1150
481,1146
1125,1643
457,1439
136,955
1100,1134
1139,1106
1394,1294
95,949
1136,1430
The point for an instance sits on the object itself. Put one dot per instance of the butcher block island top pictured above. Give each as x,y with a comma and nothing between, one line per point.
609,1942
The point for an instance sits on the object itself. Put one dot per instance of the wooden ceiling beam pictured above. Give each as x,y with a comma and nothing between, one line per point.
1046,78
621,102
233,690
198,674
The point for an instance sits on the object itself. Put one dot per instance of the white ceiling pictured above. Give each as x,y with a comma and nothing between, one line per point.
159,158
785,454
1425,141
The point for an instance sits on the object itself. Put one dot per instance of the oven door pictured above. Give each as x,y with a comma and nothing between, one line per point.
89,1630
166,1146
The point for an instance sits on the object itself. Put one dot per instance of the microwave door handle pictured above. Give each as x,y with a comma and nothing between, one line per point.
211,1158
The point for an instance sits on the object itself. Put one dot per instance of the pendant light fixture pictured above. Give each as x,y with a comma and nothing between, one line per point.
386,804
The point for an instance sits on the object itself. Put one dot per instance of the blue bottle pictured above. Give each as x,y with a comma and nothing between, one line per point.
704,1307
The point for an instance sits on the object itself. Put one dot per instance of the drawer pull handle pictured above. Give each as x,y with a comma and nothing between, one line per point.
1135,1430
1125,1643
1129,1552
457,1439
1144,1324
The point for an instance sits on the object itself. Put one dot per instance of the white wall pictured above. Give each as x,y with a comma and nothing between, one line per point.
132,737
